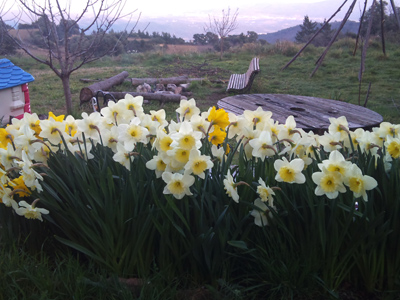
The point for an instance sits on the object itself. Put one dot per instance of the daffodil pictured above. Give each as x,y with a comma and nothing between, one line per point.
131,106
6,197
32,121
110,137
330,142
163,141
7,156
158,164
358,183
20,186
186,138
30,211
132,133
329,183
52,130
263,146
113,113
231,187
159,116
217,136
198,163
187,108
218,117
265,192
177,184
218,153
70,125
393,146
336,162
258,118
289,172
5,138
89,124
122,156
261,213
339,125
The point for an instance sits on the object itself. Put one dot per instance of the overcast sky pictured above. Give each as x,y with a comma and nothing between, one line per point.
183,17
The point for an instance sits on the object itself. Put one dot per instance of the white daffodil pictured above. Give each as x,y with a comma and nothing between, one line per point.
6,198
260,213
200,124
132,133
186,138
339,125
265,192
230,187
393,146
90,125
258,118
71,128
52,130
336,162
159,116
113,113
110,138
158,163
131,106
122,156
187,108
329,183
177,184
198,163
289,172
30,211
358,183
329,141
218,153
263,146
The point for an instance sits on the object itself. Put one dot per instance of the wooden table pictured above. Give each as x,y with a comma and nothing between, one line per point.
310,113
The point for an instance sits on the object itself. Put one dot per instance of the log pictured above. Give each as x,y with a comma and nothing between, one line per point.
149,96
88,92
174,80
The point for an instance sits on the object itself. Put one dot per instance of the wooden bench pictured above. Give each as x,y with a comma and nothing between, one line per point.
241,83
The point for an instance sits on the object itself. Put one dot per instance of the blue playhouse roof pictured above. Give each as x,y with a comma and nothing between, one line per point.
11,75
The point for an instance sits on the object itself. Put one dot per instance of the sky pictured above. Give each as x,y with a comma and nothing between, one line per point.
184,18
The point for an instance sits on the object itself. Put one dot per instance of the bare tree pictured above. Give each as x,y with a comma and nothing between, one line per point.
222,27
70,39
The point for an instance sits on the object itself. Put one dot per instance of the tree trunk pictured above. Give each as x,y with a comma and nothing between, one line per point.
148,96
88,92
67,93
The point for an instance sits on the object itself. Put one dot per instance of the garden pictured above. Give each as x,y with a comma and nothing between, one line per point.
131,204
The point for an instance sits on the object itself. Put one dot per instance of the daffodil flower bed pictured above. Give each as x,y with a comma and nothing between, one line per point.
213,178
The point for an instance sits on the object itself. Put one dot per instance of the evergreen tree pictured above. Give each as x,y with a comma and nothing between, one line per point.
306,30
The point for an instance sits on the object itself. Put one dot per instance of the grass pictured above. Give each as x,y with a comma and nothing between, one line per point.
336,79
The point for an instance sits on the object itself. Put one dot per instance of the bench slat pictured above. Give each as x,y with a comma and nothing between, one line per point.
242,82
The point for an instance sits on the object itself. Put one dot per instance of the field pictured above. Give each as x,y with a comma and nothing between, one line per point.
336,79
131,216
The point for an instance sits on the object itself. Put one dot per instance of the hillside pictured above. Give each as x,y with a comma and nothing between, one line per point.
289,34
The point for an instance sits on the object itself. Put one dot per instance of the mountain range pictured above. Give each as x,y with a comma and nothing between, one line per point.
289,34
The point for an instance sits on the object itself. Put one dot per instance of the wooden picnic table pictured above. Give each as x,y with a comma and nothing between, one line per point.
310,113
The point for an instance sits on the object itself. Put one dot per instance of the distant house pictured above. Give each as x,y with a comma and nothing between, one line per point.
14,93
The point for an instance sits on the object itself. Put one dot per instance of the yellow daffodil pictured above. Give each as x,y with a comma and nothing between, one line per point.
59,118
218,117
19,184
217,136
5,138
